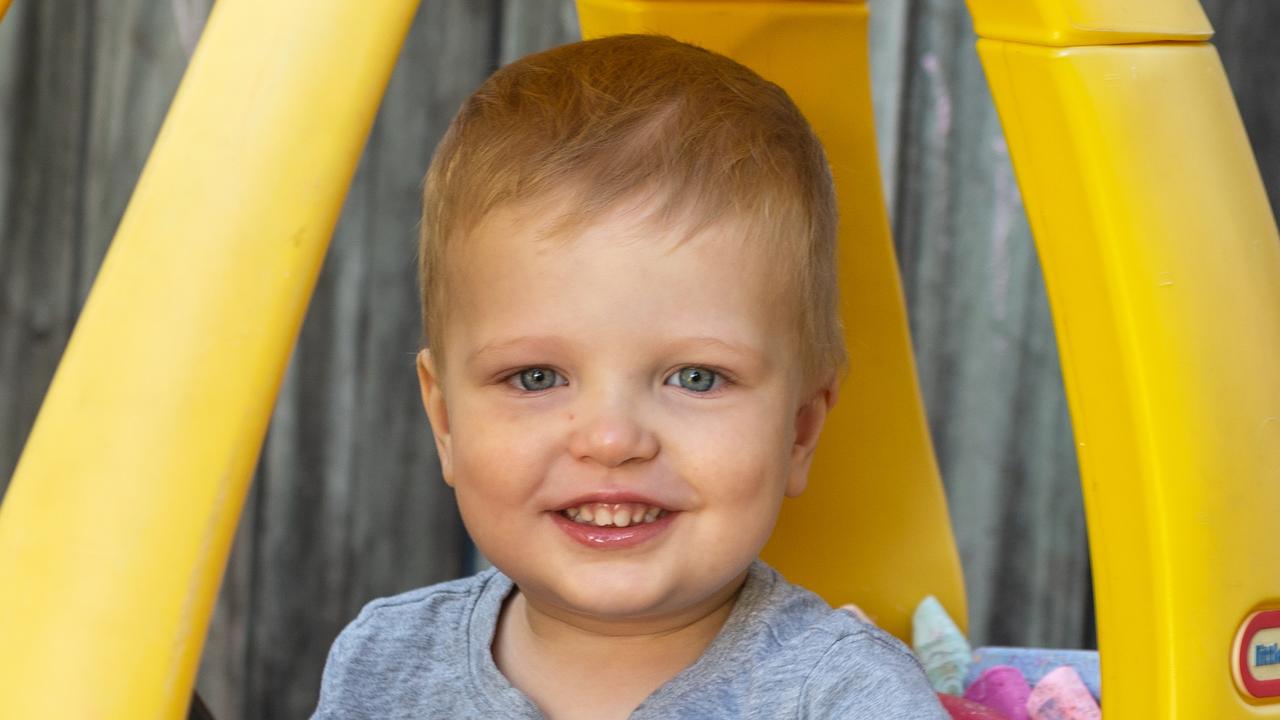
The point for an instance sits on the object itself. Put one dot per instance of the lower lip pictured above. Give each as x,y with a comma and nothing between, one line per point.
613,538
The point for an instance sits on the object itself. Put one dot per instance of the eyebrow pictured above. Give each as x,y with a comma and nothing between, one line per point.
551,341
497,346
742,350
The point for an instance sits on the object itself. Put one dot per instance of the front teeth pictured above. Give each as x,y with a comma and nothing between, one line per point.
613,514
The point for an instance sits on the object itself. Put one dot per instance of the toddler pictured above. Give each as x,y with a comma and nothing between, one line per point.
633,341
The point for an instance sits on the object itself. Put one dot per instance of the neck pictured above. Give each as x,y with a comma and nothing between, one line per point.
631,658
552,624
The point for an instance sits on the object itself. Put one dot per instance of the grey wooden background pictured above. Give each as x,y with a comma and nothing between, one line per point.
347,504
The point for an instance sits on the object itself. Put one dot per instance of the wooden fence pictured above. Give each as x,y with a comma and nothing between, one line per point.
348,504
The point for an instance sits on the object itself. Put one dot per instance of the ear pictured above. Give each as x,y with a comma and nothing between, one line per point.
433,400
810,417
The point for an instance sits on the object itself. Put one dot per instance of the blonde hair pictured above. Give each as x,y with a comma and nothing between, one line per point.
607,119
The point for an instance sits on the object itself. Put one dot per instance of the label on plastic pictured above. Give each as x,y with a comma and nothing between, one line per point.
1255,660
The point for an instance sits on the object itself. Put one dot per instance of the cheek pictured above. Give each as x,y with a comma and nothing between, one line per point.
741,486
499,457
496,475
740,460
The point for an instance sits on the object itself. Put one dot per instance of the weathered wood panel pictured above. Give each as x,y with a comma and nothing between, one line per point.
987,359
887,33
1246,37
528,26
348,504
46,92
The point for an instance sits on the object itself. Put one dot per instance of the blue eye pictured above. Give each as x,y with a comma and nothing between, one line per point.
535,378
697,379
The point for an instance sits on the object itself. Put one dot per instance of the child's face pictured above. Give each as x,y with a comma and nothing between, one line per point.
564,388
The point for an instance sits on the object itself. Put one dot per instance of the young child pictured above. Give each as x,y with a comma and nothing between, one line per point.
633,341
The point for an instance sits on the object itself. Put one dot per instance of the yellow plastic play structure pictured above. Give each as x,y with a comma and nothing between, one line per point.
873,524
1159,250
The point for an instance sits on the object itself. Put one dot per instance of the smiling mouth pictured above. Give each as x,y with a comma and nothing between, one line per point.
613,514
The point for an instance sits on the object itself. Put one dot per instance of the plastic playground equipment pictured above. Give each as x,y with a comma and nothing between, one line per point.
1160,256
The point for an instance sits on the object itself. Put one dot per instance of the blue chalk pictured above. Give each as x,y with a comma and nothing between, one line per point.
941,648
1035,663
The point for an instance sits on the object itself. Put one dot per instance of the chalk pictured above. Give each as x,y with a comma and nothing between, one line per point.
960,709
1061,695
940,647
1035,663
1002,688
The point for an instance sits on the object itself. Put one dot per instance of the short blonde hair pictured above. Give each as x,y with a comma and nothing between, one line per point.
607,119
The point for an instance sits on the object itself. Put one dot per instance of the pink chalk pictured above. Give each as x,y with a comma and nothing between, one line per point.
1061,695
961,709
1003,688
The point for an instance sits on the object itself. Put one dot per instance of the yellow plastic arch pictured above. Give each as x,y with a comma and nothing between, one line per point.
1162,265
872,528
1090,22
115,530
1160,255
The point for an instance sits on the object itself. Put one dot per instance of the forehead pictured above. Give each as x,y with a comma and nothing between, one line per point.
622,279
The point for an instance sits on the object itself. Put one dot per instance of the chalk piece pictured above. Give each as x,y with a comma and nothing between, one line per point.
1035,663
960,709
1003,688
941,647
1061,695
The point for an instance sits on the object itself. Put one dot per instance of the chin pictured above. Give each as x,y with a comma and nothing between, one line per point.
625,595
615,598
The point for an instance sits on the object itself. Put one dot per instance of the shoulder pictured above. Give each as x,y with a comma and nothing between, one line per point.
403,615
398,646
851,668
865,672
794,615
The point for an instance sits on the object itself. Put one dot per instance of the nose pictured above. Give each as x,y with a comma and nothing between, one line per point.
609,432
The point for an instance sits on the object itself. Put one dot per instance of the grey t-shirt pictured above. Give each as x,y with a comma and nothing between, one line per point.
782,653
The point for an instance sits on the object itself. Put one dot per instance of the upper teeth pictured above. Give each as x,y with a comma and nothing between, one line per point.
613,514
